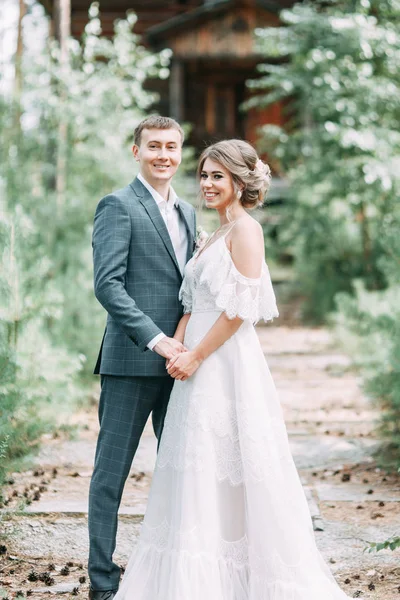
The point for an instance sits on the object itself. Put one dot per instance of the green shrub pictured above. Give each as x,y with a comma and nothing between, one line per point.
99,98
335,66
369,324
38,380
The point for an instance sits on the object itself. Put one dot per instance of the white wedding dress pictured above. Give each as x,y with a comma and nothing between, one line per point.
227,518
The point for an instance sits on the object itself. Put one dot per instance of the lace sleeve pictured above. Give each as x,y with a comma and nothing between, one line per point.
237,295
185,295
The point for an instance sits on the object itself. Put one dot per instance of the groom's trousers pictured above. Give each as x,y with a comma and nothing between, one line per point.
125,405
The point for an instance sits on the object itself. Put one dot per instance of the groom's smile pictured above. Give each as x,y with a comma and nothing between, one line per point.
159,154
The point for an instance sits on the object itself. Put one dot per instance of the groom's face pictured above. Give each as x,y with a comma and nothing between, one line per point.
159,154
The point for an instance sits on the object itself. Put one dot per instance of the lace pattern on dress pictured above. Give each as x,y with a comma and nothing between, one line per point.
228,441
201,544
163,537
237,295
185,295
218,285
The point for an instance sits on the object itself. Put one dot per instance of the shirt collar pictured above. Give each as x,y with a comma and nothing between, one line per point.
173,198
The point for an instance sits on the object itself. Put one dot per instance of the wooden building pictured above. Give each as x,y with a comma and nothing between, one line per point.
213,56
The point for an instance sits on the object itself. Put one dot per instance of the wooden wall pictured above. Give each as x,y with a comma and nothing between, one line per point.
227,35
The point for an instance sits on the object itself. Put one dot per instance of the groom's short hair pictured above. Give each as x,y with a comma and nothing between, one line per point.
156,122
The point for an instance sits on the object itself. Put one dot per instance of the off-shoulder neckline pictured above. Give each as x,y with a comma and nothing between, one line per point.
253,280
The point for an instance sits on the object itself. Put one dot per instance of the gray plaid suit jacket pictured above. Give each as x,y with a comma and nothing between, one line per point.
136,279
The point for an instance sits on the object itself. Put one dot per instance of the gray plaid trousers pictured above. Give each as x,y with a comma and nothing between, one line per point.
125,405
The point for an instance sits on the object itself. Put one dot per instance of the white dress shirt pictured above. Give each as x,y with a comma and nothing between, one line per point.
176,229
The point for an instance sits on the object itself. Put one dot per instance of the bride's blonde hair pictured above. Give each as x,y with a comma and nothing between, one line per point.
250,175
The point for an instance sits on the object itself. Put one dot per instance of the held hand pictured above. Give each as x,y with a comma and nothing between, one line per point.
183,365
169,359
169,347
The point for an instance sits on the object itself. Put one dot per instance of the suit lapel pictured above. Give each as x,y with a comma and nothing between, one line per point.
150,205
184,213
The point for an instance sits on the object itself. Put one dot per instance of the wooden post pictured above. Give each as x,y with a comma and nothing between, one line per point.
62,21
62,28
176,91
210,109
230,111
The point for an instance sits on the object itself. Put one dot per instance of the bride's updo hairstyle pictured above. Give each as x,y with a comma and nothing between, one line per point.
250,175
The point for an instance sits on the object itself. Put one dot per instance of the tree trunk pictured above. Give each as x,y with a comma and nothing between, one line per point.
366,239
18,67
62,10
13,283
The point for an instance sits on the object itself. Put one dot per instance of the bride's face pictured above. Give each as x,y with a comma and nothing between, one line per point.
216,185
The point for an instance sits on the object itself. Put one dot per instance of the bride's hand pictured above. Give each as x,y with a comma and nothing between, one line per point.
183,365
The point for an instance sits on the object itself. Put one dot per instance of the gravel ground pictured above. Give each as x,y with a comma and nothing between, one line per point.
331,430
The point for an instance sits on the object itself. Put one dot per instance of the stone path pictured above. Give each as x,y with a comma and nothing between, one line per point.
330,426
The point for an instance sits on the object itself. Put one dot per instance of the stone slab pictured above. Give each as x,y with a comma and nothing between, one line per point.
60,588
66,538
282,340
309,452
343,545
354,492
63,538
78,508
306,398
321,363
317,520
80,453
324,451
137,510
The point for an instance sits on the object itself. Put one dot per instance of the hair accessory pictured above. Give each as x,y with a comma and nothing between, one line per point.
262,168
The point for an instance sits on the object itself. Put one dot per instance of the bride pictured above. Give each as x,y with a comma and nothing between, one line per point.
227,518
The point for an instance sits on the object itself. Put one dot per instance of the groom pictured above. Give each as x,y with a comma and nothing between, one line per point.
142,238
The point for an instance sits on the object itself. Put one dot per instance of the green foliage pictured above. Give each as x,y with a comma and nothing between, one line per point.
391,544
3,447
369,325
65,143
336,68
35,375
98,97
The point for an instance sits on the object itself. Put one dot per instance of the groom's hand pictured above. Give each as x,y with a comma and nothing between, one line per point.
169,347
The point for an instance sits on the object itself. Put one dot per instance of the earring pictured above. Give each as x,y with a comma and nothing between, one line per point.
239,194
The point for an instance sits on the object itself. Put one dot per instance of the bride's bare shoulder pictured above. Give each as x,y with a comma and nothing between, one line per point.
247,231
247,246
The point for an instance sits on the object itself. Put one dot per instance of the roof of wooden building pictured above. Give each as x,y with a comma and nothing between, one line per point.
215,30
203,14
159,16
